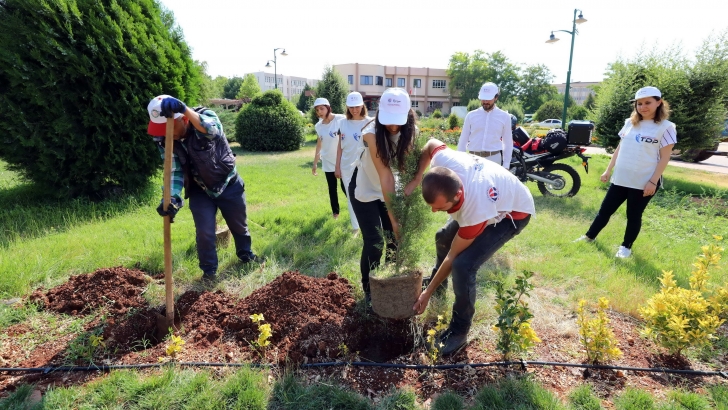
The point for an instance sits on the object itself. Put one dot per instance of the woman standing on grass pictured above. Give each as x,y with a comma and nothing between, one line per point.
387,139
351,140
327,130
646,142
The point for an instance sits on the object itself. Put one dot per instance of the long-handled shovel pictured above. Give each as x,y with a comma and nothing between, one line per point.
168,289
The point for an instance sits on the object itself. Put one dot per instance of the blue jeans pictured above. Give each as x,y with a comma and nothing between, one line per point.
233,209
466,264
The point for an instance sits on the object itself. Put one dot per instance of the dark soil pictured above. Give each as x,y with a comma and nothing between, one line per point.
313,320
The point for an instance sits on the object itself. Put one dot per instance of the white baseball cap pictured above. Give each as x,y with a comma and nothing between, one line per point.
354,99
647,92
488,91
394,106
321,101
157,122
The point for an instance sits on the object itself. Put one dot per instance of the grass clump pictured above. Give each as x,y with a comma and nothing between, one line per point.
634,399
291,393
583,398
516,393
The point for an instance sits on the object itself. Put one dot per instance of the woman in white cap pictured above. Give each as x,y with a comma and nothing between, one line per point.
387,139
351,140
647,139
327,130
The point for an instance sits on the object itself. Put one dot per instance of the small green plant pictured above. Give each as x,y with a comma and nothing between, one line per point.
173,348
437,113
596,336
678,318
453,121
85,347
343,349
515,335
434,347
264,331
583,398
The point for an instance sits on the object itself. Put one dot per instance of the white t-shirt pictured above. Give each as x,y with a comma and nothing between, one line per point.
351,141
648,128
488,189
639,151
329,136
368,186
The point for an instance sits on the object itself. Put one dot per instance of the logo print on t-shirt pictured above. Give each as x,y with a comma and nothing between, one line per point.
478,166
493,194
649,140
332,134
356,136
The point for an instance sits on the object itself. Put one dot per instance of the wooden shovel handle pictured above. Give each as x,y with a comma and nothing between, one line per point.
167,196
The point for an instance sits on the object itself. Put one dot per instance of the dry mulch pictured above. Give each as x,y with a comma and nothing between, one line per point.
314,320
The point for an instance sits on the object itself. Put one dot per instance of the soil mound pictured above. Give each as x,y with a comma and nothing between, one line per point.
118,289
307,315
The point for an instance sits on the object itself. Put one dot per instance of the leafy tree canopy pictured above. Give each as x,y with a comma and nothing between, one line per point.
249,87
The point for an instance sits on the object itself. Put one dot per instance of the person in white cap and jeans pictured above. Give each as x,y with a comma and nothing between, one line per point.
487,130
351,140
327,130
209,184
386,139
647,139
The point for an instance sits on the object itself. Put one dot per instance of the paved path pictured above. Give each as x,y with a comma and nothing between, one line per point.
717,164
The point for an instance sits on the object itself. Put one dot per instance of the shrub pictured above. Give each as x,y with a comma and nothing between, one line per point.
678,318
583,398
596,336
513,107
227,119
419,113
453,121
577,112
473,105
75,80
269,123
334,88
549,109
437,113
515,335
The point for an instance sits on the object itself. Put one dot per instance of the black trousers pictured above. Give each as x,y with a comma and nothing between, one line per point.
373,220
636,204
333,195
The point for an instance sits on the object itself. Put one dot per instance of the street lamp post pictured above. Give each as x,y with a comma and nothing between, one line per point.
552,39
275,66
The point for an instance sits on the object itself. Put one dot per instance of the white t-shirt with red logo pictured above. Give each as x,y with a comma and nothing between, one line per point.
489,190
329,136
351,140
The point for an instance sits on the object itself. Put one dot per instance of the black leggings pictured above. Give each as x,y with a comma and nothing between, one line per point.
373,218
636,204
333,195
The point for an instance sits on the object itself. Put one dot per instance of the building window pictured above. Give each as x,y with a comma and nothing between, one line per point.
366,80
435,104
380,80
389,82
456,104
438,83
400,82
417,83
415,104
351,79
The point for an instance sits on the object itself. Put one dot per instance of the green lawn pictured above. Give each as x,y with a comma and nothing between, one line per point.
44,241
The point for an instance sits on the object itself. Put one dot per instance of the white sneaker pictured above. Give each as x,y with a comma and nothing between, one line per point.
584,238
623,252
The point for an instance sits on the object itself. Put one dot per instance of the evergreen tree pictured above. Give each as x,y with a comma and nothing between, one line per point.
75,80
334,88
305,102
249,87
231,88
589,102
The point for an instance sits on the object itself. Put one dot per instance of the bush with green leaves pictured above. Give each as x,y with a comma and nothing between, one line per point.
437,113
75,80
453,121
334,88
269,123
513,107
473,105
696,87
549,109
515,335
577,112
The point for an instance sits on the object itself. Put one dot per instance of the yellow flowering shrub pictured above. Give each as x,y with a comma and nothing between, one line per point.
434,348
264,330
513,327
595,334
678,318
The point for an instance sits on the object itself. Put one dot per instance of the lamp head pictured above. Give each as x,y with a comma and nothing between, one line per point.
581,18
267,64
285,54
552,39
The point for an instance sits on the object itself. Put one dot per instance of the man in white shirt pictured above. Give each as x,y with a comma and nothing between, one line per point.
487,130
488,206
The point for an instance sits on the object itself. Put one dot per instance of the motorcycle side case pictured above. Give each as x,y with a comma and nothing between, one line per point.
520,136
580,132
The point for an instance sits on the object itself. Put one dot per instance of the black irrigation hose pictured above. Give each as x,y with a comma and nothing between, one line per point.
523,364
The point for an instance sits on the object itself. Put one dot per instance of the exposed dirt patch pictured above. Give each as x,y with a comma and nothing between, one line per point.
316,320
117,289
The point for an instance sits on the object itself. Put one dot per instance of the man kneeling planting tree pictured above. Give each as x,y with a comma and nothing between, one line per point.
488,206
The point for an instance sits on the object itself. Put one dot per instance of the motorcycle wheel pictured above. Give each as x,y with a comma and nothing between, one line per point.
567,175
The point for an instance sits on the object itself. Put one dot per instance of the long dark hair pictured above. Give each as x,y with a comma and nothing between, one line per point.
385,149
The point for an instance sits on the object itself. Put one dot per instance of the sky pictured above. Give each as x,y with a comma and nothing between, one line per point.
236,37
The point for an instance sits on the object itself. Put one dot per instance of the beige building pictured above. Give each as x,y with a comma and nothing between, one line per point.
428,87
577,90
289,85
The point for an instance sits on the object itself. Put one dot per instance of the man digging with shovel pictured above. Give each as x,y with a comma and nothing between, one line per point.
488,207
204,164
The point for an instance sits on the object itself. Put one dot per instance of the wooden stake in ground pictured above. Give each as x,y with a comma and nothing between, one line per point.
168,289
